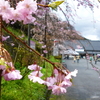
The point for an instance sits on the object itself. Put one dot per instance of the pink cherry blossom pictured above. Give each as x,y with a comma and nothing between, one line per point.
66,83
50,81
27,18
35,77
74,73
4,6
27,5
2,67
34,67
36,73
11,75
41,42
16,16
42,55
65,71
44,46
5,10
5,38
25,9
55,71
10,65
96,69
45,51
12,44
57,89
22,12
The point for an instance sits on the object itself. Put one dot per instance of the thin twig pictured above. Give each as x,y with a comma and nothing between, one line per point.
42,5
98,71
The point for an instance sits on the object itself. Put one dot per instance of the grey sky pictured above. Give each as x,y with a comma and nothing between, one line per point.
87,22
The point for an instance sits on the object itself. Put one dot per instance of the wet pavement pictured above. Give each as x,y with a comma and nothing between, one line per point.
86,86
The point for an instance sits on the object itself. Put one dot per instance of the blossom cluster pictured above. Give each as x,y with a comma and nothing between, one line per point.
43,48
8,70
58,82
23,11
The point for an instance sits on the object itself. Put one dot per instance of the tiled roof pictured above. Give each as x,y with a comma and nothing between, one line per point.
87,45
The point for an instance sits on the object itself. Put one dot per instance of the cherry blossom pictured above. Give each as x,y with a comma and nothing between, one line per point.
34,67
57,89
50,81
36,73
11,75
25,9
27,5
55,71
16,15
74,73
59,83
2,67
27,18
10,65
35,77
41,42
9,72
12,44
66,83
22,12
45,51
5,10
44,46
5,38
96,69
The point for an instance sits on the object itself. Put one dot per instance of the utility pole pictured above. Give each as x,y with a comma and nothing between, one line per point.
28,35
0,50
45,32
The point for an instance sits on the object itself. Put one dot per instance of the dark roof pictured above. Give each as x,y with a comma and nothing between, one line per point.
96,45
87,45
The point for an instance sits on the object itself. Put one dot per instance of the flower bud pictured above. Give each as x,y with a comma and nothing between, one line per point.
55,4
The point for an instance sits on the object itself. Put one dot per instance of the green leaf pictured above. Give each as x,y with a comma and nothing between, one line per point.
55,4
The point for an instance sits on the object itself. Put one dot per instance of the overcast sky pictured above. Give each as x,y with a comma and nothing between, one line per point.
87,22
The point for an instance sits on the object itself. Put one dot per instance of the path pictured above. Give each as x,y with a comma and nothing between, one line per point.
86,86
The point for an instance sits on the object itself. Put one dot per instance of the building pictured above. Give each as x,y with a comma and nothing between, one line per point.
84,46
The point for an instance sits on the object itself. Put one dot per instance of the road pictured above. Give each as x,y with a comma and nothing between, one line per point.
86,86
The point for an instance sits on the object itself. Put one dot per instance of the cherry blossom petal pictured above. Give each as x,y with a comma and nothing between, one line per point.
34,67
58,90
35,79
12,75
36,73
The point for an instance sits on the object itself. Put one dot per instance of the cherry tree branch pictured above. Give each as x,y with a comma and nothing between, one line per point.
57,66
